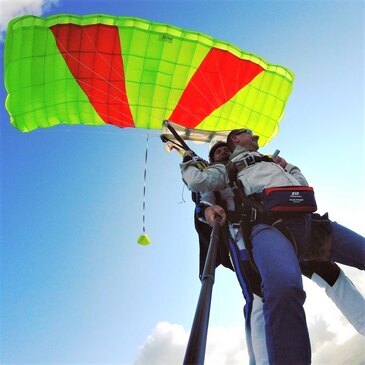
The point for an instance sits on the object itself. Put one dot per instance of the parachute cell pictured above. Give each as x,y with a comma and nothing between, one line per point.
130,72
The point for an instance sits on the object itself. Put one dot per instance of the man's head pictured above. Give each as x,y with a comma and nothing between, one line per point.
244,138
219,152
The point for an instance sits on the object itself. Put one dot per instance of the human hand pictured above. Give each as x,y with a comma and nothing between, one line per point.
214,212
280,161
188,153
188,156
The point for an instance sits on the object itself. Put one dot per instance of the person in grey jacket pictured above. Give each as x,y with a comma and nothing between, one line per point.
273,253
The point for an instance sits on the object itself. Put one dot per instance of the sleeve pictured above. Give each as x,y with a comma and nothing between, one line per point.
202,202
200,211
208,198
295,172
210,179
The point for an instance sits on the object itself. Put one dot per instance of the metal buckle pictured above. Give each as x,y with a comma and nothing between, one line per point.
250,160
253,215
245,162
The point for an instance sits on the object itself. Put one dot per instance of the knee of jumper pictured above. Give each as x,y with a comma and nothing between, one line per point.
266,232
283,292
276,260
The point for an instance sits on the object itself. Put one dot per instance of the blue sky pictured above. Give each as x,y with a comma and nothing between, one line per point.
75,286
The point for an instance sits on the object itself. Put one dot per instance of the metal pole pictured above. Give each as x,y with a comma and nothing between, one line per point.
195,351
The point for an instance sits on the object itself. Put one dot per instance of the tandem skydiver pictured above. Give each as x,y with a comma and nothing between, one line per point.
280,238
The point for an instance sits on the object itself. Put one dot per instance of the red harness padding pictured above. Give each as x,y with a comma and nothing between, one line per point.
286,199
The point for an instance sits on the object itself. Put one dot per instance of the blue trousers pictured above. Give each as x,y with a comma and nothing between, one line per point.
287,337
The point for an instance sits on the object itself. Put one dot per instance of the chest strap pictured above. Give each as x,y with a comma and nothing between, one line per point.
249,160
233,168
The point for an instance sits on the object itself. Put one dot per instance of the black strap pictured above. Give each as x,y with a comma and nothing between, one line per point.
183,145
165,139
245,220
249,160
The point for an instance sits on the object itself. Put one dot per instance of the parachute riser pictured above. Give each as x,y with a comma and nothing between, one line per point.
180,146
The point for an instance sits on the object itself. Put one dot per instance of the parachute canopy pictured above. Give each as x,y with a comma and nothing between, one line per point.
131,72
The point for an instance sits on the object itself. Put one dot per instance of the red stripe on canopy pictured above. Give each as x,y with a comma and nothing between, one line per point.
219,77
93,55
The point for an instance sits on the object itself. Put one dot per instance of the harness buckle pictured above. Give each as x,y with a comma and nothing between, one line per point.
250,160
253,215
245,162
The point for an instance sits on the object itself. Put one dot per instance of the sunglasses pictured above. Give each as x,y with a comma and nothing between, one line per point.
247,131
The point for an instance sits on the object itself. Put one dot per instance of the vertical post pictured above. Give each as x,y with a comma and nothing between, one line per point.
195,351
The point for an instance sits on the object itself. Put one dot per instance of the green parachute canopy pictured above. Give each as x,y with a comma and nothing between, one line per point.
131,72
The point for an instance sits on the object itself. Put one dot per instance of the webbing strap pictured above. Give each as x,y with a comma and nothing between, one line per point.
249,160
183,145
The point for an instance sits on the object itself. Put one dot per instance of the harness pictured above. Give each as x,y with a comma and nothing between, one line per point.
249,207
270,207
249,160
277,206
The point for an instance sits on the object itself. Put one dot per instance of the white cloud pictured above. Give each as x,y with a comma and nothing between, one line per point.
350,352
334,341
320,334
167,343
226,346
320,309
12,8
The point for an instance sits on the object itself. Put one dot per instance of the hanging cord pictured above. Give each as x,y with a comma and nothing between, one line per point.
143,239
182,195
